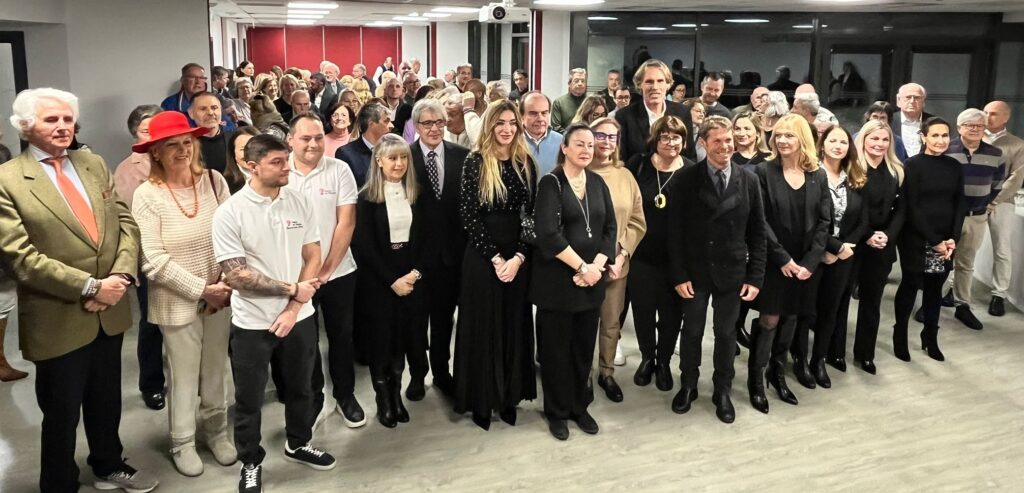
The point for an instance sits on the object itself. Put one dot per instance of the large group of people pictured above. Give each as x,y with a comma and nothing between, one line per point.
401,217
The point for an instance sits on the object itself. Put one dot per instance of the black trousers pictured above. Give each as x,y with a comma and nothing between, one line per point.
441,284
931,297
874,272
336,301
251,351
566,350
150,347
86,384
657,311
726,305
833,301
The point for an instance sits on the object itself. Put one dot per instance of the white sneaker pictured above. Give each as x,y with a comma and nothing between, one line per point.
620,359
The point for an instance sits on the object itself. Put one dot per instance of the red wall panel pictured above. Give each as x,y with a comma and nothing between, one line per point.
304,47
380,42
266,47
342,46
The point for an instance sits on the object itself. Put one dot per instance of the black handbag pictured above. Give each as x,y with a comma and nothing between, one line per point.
934,262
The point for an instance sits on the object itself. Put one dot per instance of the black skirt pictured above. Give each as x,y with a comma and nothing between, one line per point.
783,295
494,341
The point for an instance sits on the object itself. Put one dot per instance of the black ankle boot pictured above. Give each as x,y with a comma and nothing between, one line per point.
820,375
930,343
395,392
803,374
385,408
899,342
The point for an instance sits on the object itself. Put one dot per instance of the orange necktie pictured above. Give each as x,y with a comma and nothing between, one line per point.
79,207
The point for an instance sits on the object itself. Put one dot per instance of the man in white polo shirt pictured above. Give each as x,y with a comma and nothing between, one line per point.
265,238
331,188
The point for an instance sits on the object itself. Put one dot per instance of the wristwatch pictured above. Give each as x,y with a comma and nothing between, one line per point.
582,269
496,259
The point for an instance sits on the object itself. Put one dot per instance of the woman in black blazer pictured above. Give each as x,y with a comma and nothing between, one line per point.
936,205
657,309
576,235
387,245
849,227
886,213
797,211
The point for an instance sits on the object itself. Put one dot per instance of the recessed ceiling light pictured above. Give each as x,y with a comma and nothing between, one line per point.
803,26
602,18
308,12
650,28
300,22
747,21
689,25
384,24
436,14
313,5
567,3
455,10
304,16
409,18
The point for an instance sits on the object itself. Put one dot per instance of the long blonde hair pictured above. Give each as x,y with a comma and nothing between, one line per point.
891,161
799,126
388,145
492,189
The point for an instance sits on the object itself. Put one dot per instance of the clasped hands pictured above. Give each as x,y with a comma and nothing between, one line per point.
845,252
946,248
112,289
792,269
590,278
506,270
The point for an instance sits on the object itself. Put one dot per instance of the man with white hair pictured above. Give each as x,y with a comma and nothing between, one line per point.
984,169
1001,219
806,102
564,108
72,245
416,65
910,100
359,72
332,85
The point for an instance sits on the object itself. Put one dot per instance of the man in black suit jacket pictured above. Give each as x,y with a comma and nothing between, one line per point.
438,166
718,252
910,100
654,80
373,122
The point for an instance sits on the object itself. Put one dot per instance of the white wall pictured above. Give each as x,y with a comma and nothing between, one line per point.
452,45
506,54
415,44
217,39
32,10
555,56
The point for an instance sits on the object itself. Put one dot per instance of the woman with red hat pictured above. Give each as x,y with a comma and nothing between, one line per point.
187,298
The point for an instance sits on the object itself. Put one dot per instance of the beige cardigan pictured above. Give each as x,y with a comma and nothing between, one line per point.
177,252
629,211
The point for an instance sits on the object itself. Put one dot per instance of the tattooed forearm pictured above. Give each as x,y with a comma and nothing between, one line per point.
239,276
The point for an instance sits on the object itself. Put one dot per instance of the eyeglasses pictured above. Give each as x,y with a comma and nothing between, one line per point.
606,137
432,123
670,139
622,98
973,126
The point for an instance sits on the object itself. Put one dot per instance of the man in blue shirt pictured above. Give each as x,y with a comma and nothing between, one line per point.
193,81
543,141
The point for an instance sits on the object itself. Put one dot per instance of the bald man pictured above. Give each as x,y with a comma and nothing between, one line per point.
1000,221
910,100
758,101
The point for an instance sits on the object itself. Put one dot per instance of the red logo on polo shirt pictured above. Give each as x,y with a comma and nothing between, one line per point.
324,191
292,224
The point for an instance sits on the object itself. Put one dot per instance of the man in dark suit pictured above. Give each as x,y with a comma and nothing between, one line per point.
906,123
321,96
654,80
438,166
717,233
373,122
72,246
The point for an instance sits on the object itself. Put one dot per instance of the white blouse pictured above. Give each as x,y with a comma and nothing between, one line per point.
399,211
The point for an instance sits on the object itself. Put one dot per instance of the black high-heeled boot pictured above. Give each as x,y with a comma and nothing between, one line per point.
761,344
803,374
776,378
395,388
820,375
930,343
743,338
899,342
385,408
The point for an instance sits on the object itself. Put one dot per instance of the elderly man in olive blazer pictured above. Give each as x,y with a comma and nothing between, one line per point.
72,247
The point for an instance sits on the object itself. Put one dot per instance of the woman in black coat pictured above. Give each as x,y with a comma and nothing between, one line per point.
657,309
576,235
936,205
797,211
387,245
849,227
886,213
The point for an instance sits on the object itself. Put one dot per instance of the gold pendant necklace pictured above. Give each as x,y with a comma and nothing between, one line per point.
660,201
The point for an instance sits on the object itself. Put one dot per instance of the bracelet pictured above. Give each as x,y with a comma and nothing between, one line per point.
496,259
417,274
521,257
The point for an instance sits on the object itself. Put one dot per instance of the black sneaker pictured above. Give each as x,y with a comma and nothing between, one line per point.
154,401
251,480
310,456
964,315
995,307
352,412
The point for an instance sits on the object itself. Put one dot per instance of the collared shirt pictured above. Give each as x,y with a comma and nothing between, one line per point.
131,173
910,133
544,150
269,234
317,98
368,143
992,137
69,172
328,186
439,151
652,116
713,173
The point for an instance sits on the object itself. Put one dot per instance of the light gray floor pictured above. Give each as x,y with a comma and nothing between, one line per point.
919,426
